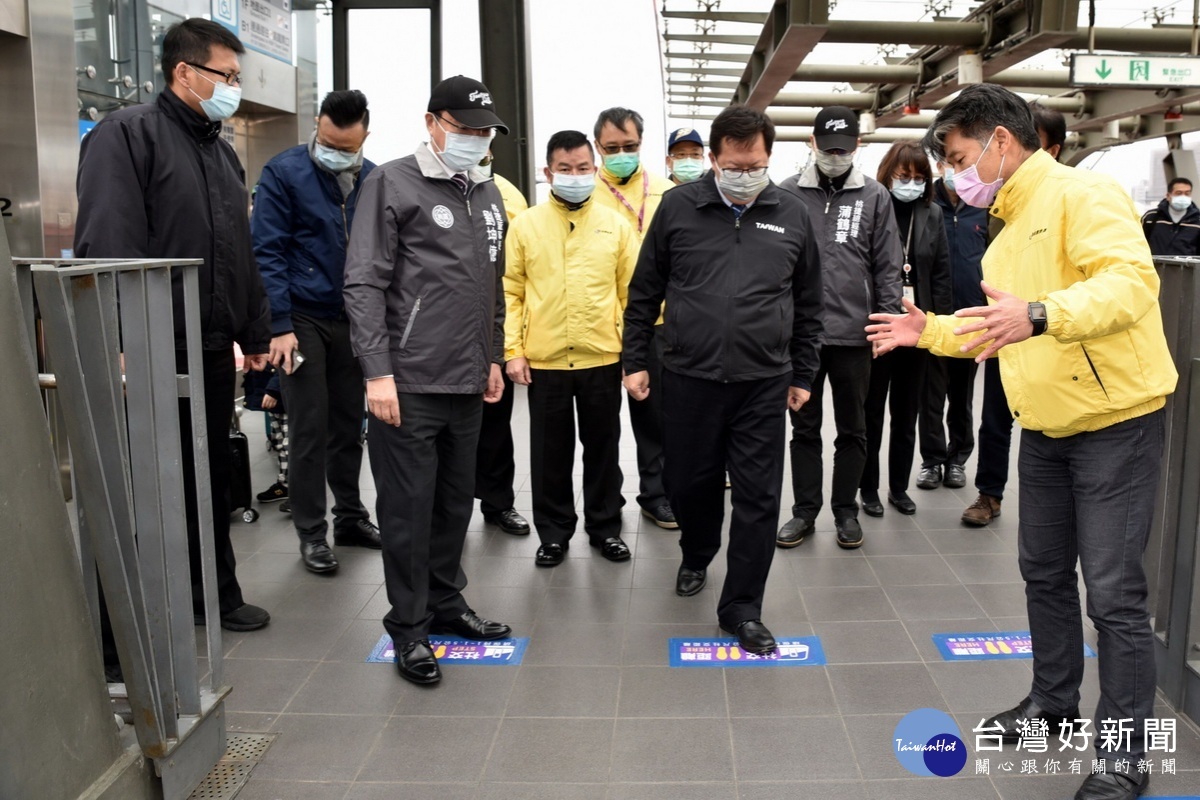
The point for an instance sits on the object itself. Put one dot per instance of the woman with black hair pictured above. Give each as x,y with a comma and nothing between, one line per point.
897,378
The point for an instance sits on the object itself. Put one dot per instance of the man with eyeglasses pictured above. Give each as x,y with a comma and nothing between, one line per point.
635,193
157,181
736,260
861,258
685,155
425,299
304,208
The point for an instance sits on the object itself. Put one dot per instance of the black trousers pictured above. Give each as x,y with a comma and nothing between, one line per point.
556,396
849,372
495,469
646,419
897,380
995,434
710,425
424,478
950,379
220,377
324,400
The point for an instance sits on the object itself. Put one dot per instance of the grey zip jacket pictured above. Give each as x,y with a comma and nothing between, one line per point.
423,284
861,257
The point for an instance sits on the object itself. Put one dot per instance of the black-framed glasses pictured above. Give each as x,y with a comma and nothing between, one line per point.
231,78
612,150
464,129
752,172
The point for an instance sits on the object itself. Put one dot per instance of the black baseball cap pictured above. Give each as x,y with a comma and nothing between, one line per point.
468,100
836,128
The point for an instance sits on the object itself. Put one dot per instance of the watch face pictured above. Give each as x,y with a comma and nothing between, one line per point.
1037,312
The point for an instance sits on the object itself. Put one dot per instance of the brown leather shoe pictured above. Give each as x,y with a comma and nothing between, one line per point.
985,509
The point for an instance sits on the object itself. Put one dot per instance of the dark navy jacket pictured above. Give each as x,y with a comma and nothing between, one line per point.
301,227
967,238
1169,238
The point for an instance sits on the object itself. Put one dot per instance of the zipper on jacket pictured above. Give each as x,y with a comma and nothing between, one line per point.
345,224
737,227
409,325
1092,366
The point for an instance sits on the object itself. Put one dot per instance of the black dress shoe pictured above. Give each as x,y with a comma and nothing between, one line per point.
849,533
550,555
360,533
929,478
613,548
1027,710
956,477
871,505
793,532
902,502
689,581
472,626
245,618
508,521
416,662
1113,786
753,637
662,515
318,557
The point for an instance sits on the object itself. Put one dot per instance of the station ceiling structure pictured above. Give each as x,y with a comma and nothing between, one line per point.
718,52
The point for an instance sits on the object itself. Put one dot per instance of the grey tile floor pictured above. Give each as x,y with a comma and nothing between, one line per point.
595,713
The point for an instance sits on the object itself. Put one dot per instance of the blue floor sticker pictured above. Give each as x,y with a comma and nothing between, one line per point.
450,650
801,651
989,646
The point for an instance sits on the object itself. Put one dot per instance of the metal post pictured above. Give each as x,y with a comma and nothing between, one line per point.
505,59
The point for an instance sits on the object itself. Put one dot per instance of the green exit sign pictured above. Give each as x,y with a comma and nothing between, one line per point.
1135,72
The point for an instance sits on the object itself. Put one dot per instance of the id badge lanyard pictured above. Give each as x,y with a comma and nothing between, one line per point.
910,291
641,212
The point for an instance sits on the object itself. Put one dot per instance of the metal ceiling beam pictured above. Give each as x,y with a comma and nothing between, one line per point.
740,58
793,28
786,118
865,101
718,16
908,73
882,136
714,38
704,103
732,73
1117,104
957,34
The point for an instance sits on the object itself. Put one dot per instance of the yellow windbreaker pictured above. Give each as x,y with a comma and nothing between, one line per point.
566,281
1071,240
639,196
514,201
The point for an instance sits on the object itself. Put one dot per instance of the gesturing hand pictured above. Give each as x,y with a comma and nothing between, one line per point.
896,330
1003,323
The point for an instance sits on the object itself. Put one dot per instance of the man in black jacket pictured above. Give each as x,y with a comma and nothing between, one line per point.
736,261
157,181
1173,228
425,301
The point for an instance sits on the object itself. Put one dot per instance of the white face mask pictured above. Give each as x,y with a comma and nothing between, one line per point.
833,165
463,151
740,187
573,189
1181,202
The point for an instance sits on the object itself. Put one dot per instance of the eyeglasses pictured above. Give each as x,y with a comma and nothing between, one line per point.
612,150
486,161
752,172
685,156
466,130
231,78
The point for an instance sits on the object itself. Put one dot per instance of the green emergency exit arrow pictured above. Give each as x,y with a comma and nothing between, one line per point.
1104,70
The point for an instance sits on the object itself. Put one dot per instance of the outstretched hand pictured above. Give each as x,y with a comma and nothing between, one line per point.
890,331
1003,323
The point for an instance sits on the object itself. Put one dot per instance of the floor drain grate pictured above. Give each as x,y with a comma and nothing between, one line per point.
230,774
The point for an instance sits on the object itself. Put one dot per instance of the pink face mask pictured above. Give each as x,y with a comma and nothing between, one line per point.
971,189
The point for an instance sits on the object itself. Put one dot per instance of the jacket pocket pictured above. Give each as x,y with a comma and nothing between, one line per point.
1095,373
408,326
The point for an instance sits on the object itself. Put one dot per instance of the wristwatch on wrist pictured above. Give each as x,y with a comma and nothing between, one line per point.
1037,316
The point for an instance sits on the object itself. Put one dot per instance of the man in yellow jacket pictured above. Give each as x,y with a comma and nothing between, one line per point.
566,282
627,187
1074,318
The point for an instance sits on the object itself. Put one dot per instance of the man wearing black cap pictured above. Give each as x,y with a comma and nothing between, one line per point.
685,155
426,307
860,260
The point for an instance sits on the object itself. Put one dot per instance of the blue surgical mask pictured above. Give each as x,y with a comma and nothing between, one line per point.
224,101
688,169
906,191
462,152
622,164
334,160
573,188
948,178
1181,202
